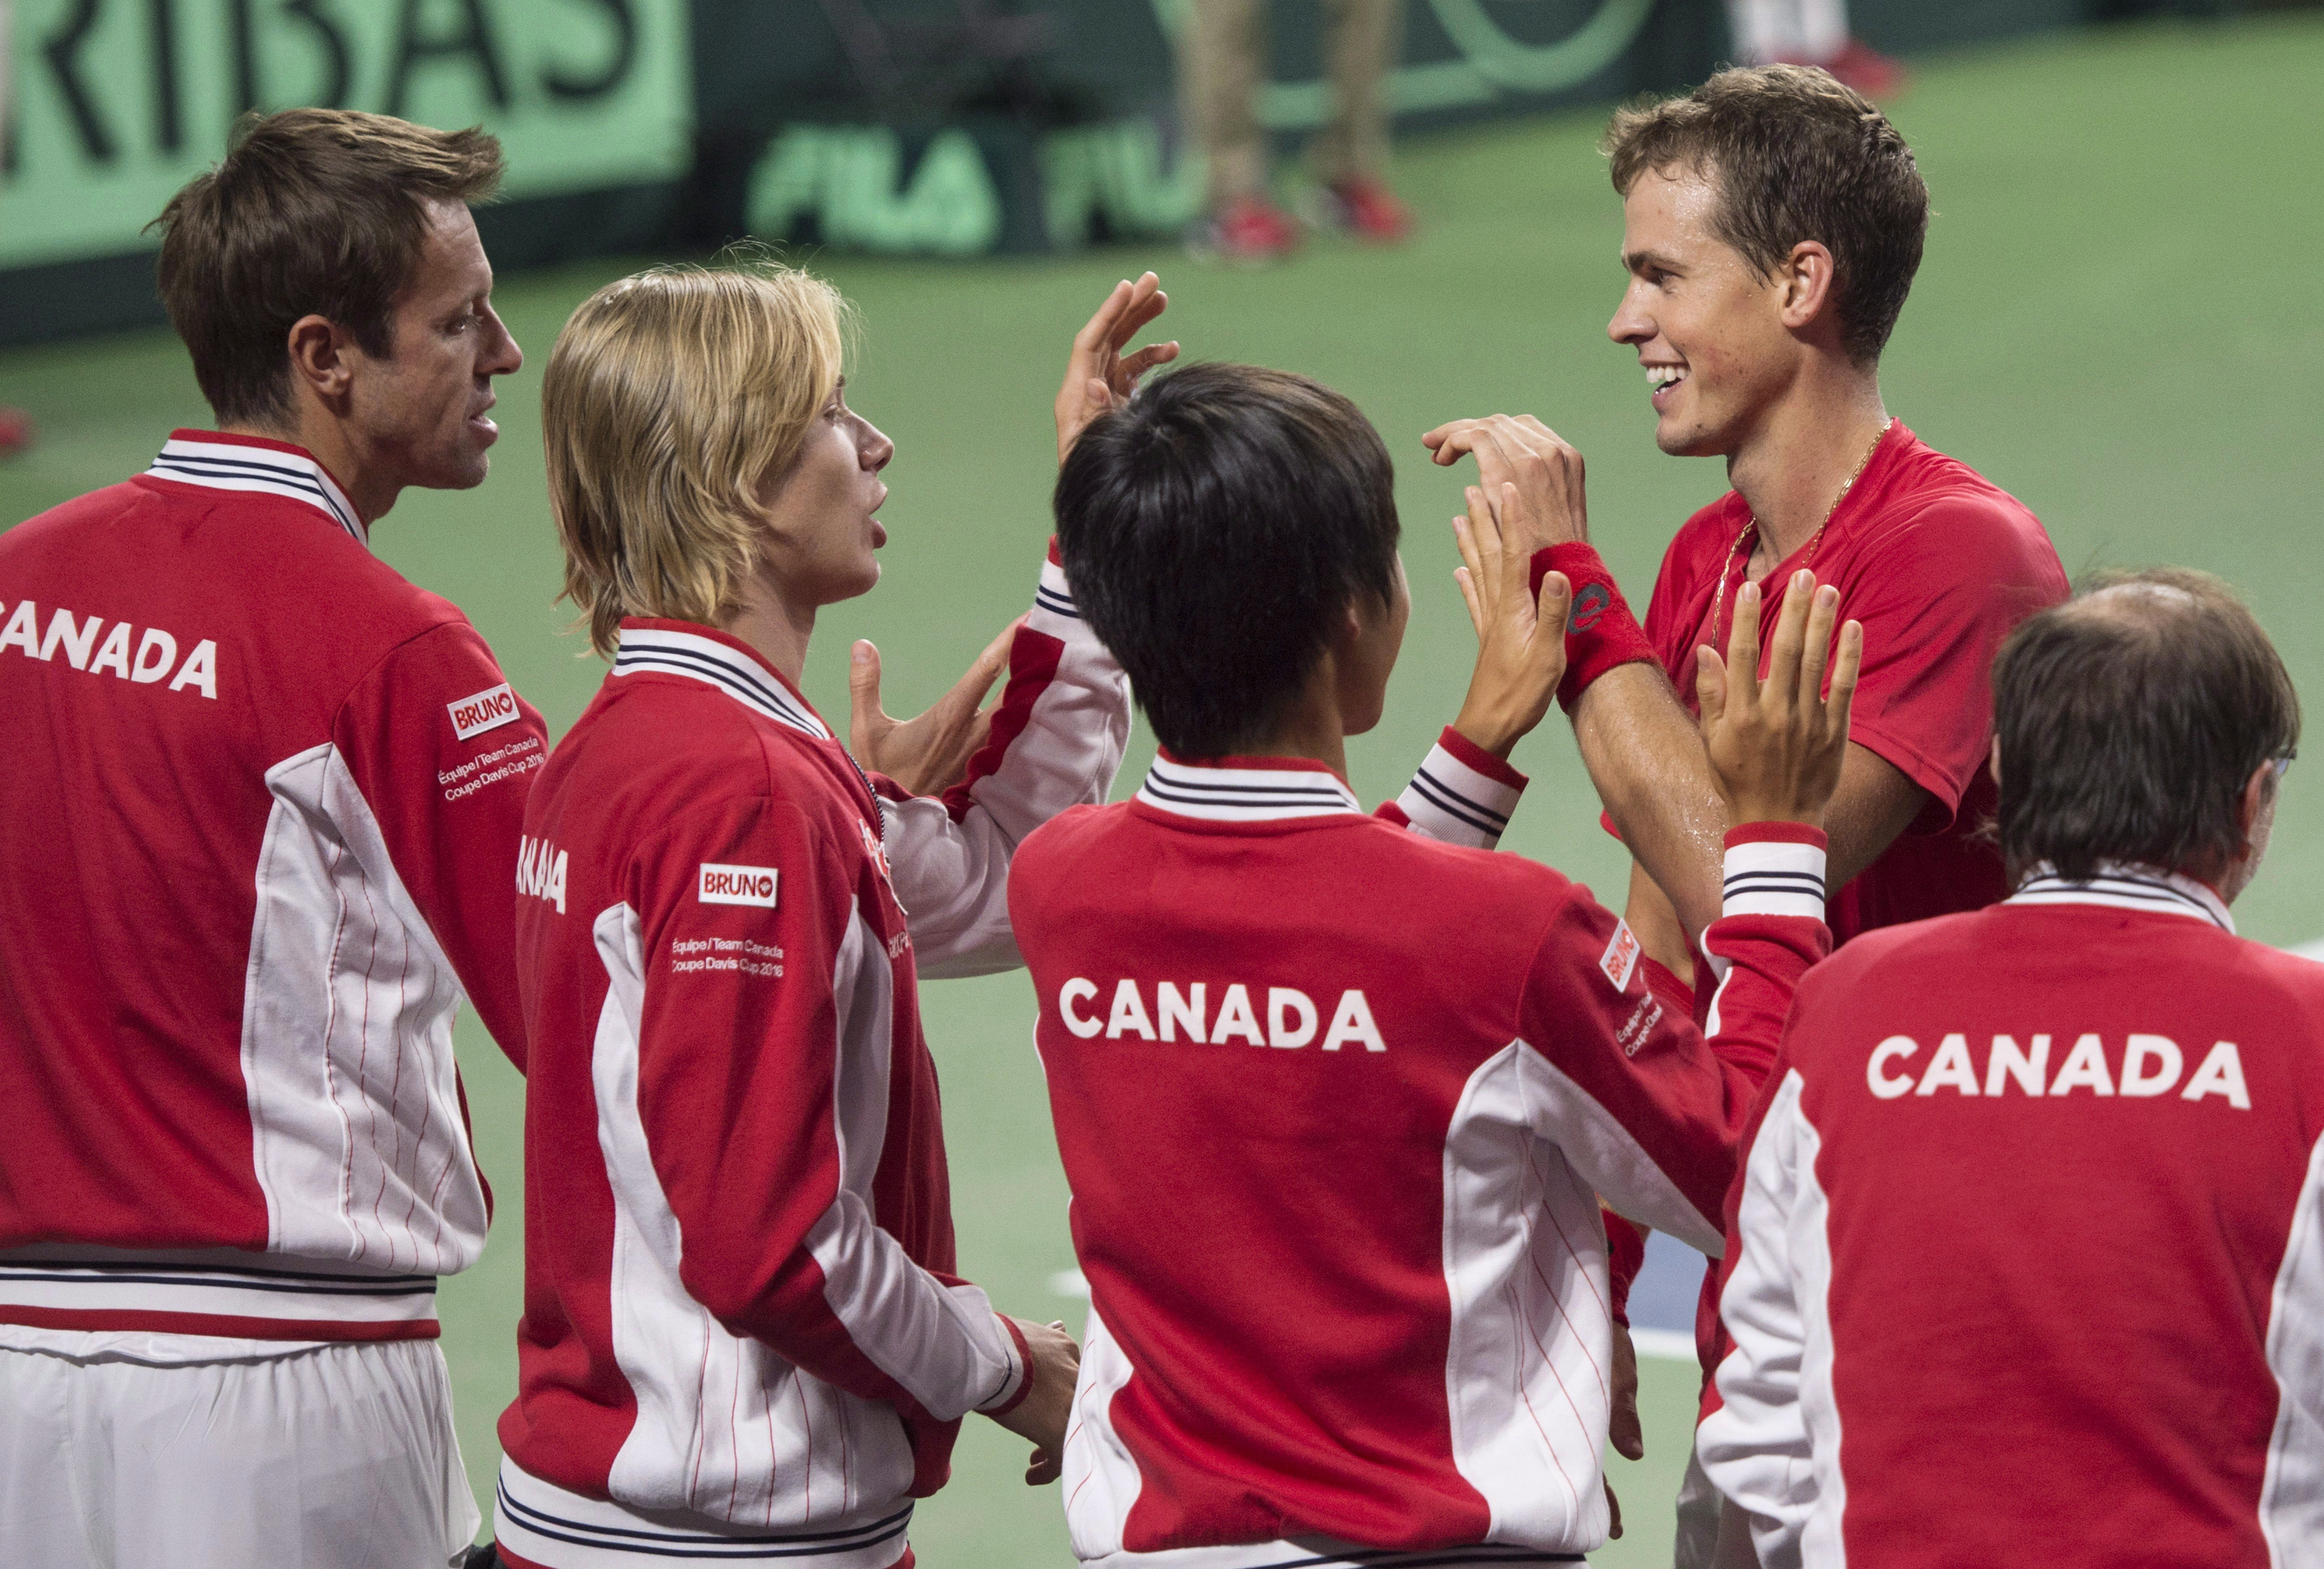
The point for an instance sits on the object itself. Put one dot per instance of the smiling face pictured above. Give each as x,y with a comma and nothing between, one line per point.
1709,329
821,531
420,414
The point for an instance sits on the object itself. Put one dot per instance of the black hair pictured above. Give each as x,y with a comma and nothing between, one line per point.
2130,719
1215,530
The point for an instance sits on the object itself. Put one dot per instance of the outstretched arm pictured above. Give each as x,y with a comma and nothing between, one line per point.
1057,737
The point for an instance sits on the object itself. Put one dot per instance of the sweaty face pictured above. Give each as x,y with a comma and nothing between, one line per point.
1707,326
821,531
420,412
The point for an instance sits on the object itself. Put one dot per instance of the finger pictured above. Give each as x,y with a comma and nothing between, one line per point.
1147,301
864,715
1743,649
1515,556
1844,667
1449,440
970,690
1556,603
1486,529
1469,593
1146,358
1495,463
1464,540
1614,1510
1823,611
1783,683
1710,688
1091,338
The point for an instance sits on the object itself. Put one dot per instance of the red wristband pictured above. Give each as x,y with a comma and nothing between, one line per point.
1025,1353
1601,632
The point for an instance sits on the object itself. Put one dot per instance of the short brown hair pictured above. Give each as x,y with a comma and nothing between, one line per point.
669,396
312,212
1797,157
2130,719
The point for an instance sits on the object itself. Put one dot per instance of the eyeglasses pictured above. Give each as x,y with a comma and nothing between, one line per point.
2283,765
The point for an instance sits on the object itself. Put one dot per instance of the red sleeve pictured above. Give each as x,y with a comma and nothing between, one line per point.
1937,597
445,753
746,1069
1643,1106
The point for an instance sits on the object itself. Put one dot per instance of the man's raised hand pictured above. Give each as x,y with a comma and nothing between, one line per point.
1520,450
1098,377
928,754
1520,640
1776,745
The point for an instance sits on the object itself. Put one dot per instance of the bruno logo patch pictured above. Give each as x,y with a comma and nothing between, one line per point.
1620,957
487,710
737,885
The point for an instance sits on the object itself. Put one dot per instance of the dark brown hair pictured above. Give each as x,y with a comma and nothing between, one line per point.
1797,157
2130,719
312,212
1215,531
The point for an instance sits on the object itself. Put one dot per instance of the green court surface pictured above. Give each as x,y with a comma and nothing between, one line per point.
2119,319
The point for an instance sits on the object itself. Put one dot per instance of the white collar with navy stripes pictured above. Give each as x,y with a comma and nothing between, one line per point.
665,652
2124,887
218,462
1227,794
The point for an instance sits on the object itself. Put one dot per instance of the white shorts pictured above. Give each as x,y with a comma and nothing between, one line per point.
329,1457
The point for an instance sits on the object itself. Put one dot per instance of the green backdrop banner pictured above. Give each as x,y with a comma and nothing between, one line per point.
117,103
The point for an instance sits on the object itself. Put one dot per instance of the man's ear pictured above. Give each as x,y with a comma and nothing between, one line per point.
1806,278
319,358
2257,791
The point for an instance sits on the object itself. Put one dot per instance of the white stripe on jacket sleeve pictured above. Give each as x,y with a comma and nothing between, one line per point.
1772,1445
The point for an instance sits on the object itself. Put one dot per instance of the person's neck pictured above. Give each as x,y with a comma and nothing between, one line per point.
1794,467
1312,732
776,629
367,484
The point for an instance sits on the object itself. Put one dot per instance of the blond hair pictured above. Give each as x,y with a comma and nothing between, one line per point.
670,397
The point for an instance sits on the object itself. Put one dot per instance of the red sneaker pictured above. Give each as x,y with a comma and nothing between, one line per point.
1366,208
16,431
1867,71
1252,231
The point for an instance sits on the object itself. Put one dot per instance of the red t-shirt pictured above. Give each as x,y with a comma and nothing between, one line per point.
1939,564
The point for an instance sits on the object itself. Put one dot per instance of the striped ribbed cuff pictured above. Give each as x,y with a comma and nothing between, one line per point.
1020,1381
1774,869
1462,794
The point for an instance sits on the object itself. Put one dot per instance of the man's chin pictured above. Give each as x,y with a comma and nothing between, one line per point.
1690,441
465,472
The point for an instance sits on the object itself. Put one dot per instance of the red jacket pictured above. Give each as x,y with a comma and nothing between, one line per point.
1334,1100
741,1310
2026,1265
261,798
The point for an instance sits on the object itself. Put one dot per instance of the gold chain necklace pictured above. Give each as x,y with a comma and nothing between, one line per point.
1751,526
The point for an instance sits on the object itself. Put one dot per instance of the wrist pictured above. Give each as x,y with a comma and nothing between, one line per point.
1601,632
1011,1398
1495,735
